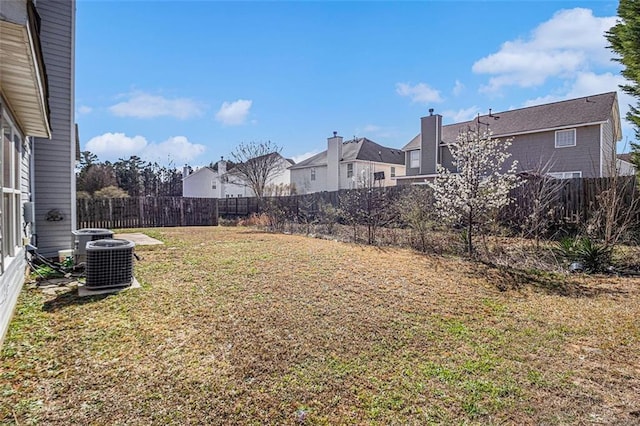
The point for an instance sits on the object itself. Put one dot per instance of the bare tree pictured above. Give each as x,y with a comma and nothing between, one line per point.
95,177
537,199
257,163
415,207
616,210
369,207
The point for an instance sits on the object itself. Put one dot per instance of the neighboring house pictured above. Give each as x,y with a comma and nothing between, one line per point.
38,136
222,180
624,165
573,138
348,165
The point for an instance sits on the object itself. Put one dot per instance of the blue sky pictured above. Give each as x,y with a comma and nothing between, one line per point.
184,82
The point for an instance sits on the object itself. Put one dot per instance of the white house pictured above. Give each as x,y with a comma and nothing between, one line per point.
38,136
348,165
222,180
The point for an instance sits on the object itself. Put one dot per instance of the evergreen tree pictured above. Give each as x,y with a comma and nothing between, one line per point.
625,41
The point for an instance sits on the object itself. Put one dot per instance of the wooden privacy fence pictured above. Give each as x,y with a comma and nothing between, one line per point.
241,207
146,212
574,200
570,200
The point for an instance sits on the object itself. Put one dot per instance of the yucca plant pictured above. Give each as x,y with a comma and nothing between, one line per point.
594,257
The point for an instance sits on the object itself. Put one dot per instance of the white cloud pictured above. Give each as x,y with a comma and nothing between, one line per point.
570,42
462,114
234,113
144,105
458,88
116,145
84,109
175,148
589,83
419,93
112,146
302,157
585,84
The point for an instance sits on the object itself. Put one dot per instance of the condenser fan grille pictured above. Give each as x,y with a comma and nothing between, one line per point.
109,263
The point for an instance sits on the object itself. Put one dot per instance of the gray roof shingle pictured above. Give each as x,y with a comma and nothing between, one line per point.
357,149
572,112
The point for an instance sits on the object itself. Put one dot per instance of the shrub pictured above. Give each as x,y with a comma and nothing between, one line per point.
594,257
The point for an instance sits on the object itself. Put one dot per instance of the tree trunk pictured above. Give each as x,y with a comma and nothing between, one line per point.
469,231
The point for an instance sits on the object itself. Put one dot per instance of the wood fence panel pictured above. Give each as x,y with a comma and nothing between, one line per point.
146,212
574,202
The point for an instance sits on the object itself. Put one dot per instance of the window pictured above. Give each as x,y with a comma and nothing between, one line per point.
565,175
11,195
565,138
313,174
350,170
414,159
213,184
393,171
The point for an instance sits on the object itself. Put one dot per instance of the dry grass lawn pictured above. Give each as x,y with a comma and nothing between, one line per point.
236,326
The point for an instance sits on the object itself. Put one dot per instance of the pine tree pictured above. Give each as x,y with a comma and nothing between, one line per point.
625,41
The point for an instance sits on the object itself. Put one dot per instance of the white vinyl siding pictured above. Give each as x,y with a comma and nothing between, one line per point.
54,159
565,138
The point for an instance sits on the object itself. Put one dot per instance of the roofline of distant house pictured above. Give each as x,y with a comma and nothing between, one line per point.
342,160
198,170
548,129
528,132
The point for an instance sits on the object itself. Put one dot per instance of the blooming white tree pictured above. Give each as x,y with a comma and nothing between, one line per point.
481,184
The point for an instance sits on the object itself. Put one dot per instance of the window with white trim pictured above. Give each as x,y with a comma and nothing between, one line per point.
565,175
350,170
414,159
392,173
565,138
313,174
11,196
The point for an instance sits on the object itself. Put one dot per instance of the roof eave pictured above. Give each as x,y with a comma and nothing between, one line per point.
529,132
23,80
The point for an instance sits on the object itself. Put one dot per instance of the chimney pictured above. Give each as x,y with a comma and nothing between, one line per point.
222,166
430,138
334,156
185,171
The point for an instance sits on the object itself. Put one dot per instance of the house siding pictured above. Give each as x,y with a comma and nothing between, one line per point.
537,151
608,149
301,178
199,184
411,171
54,159
10,285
